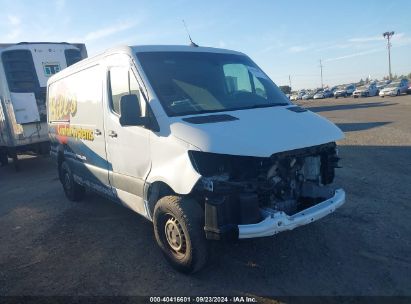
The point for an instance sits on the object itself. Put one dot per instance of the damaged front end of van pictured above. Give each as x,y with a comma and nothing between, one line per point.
249,197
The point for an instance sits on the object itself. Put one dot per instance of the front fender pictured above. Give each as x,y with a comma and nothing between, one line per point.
171,164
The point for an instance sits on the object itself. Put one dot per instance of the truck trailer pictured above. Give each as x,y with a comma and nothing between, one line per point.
25,68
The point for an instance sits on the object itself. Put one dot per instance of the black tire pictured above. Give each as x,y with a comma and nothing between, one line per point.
398,93
44,148
13,154
179,231
74,191
4,159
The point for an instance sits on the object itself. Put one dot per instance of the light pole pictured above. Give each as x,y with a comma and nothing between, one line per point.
321,67
388,35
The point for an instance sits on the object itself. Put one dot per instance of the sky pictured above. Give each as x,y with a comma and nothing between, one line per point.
286,39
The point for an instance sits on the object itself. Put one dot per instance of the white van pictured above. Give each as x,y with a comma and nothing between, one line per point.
25,68
198,140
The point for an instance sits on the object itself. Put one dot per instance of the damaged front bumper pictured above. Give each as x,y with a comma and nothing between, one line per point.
276,222
220,222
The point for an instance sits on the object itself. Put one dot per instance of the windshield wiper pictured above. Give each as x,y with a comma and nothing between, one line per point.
232,109
256,106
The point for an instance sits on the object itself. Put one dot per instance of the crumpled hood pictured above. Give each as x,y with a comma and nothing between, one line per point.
258,132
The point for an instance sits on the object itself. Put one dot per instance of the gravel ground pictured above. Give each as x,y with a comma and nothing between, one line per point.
51,246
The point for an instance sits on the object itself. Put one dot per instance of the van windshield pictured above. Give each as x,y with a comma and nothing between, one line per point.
202,82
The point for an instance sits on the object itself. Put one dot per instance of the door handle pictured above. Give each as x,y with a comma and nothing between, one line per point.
112,133
97,132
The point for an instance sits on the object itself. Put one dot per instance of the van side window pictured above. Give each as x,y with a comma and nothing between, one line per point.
122,82
119,86
134,89
259,87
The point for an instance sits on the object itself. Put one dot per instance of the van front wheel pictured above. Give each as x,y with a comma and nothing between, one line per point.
179,231
74,191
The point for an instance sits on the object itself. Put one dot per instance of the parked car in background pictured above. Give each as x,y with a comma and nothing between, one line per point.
381,85
350,89
340,92
294,97
395,88
319,95
301,94
328,93
366,91
409,88
308,96
344,91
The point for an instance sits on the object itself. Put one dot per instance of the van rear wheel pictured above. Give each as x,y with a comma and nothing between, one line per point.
179,231
4,160
74,191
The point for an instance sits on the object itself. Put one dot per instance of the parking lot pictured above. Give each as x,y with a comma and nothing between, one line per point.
51,246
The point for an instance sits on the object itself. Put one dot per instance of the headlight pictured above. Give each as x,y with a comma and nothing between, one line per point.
209,164
214,164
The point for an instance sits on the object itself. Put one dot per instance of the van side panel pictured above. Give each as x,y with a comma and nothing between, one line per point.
76,126
4,130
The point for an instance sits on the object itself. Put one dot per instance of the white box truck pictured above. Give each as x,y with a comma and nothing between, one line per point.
24,70
198,140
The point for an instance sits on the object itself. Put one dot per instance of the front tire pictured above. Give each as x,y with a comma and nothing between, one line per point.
74,191
179,231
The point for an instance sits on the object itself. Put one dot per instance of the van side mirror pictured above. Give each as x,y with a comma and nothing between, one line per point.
130,112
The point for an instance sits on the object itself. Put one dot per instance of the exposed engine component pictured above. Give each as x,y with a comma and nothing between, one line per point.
283,182
312,168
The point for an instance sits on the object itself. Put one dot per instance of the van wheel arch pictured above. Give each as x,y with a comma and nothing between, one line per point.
60,160
74,191
155,192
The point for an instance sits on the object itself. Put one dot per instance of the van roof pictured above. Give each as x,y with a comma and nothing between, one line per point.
180,48
138,49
